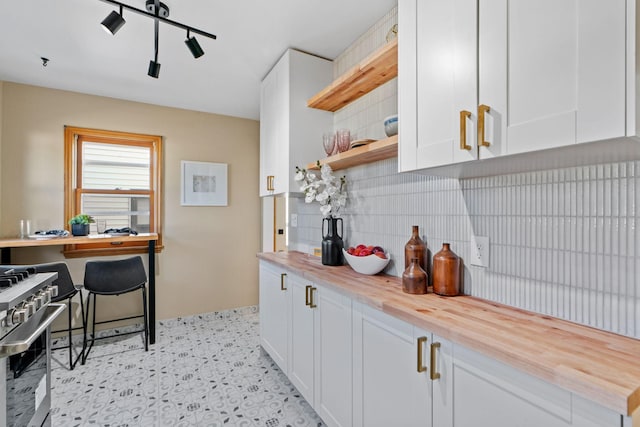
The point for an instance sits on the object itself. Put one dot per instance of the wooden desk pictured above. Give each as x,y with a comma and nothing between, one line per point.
7,244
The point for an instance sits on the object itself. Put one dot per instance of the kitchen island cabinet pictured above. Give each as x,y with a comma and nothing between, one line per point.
489,349
481,80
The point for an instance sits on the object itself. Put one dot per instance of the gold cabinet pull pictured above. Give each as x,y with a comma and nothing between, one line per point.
464,115
434,374
311,303
421,342
307,295
282,276
482,109
270,182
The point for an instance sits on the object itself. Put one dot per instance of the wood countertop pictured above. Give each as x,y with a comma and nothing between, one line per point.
71,240
600,366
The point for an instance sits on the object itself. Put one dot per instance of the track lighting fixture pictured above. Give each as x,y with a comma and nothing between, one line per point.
154,66
159,12
194,46
113,21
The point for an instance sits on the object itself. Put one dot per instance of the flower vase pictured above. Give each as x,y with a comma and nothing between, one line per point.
332,243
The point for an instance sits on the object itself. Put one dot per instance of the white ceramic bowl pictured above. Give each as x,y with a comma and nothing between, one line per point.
391,125
370,264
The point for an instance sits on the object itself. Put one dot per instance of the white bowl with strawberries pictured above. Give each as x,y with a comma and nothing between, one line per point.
366,259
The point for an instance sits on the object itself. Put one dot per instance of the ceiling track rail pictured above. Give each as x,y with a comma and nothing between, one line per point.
160,18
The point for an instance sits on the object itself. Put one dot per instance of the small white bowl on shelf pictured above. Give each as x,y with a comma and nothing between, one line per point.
369,265
391,125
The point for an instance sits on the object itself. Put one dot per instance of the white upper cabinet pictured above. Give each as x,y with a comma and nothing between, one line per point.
291,133
487,78
552,73
437,66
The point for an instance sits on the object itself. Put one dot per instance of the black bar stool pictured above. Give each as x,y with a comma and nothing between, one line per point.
114,278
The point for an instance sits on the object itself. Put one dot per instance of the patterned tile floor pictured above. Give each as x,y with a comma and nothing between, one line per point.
204,370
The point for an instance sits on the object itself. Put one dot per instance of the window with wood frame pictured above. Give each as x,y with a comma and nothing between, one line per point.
116,177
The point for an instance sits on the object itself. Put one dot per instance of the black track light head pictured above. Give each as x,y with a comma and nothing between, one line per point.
113,22
154,69
194,47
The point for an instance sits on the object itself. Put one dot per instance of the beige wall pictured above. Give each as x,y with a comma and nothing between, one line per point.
209,260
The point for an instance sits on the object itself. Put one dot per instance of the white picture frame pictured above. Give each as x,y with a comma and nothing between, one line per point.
203,183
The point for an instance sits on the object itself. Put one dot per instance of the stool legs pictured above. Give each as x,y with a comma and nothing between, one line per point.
88,343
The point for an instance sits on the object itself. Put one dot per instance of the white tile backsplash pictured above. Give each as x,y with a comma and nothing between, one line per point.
562,242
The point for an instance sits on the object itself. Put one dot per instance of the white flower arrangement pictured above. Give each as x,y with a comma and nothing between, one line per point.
328,190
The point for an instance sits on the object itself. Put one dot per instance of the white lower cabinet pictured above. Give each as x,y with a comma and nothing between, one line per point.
301,344
357,366
274,313
319,342
334,340
474,390
392,385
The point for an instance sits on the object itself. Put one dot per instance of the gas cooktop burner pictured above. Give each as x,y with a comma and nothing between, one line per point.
11,276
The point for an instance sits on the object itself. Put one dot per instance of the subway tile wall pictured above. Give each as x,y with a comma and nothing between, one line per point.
562,242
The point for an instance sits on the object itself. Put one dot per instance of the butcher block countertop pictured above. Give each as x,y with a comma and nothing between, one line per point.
597,365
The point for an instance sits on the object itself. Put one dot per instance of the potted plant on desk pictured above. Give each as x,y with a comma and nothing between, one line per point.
80,224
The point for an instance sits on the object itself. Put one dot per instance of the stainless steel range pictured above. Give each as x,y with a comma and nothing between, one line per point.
25,348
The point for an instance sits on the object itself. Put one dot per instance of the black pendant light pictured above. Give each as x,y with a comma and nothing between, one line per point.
113,22
194,46
154,66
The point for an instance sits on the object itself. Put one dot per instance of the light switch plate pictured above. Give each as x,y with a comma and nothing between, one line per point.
480,251
294,220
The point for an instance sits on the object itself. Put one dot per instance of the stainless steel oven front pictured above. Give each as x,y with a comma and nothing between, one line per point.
25,364
26,314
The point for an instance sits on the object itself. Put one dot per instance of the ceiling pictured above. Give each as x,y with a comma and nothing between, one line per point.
252,35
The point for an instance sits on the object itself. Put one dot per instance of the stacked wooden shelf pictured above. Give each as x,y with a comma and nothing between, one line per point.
372,72
379,150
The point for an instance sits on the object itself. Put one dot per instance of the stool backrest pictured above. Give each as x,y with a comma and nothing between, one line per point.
64,282
114,277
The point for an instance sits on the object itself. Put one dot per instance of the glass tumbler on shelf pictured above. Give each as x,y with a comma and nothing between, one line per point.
329,142
344,140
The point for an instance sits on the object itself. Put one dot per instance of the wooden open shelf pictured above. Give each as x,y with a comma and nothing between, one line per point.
373,71
379,150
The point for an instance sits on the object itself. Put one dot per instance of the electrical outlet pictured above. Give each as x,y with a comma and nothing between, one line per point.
294,220
480,251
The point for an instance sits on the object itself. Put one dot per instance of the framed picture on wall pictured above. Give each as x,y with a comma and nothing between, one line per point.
203,184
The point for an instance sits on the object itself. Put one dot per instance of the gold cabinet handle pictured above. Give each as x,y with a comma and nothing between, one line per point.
282,276
464,115
270,182
434,374
421,342
482,109
307,295
311,303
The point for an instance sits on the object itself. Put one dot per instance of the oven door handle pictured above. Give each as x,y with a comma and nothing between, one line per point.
20,339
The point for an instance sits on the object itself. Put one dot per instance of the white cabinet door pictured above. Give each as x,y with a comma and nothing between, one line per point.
552,72
438,84
474,390
291,133
334,365
302,350
274,313
388,388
